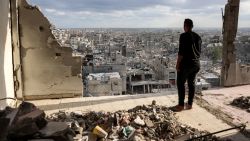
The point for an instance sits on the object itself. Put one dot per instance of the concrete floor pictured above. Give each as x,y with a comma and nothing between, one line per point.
220,98
197,117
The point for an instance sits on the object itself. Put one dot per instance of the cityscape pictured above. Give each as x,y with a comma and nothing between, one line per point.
115,70
118,61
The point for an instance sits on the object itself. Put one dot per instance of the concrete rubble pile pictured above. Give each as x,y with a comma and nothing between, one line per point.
28,123
146,122
242,102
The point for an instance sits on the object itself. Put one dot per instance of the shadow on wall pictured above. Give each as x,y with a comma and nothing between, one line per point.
4,10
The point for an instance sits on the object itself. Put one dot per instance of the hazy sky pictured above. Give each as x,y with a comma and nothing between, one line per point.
137,13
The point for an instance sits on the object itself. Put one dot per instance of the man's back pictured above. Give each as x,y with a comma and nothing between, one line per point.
189,48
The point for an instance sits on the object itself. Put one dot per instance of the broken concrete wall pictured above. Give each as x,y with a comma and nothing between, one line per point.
242,74
110,68
6,71
48,69
232,73
99,88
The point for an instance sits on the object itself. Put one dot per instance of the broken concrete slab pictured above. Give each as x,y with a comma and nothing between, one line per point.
139,121
37,116
27,121
54,129
4,122
149,123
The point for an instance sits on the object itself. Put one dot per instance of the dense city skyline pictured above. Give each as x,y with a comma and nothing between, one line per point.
137,14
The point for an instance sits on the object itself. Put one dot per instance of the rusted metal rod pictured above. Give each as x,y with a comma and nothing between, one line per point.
241,127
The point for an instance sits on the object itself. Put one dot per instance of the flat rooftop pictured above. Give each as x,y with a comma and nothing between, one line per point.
198,117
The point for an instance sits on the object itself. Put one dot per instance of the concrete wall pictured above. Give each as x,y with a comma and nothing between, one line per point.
6,71
111,87
48,70
110,68
242,74
232,73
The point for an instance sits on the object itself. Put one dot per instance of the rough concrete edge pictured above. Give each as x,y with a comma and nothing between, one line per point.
225,117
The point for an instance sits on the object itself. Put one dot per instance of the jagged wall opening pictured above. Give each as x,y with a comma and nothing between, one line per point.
48,70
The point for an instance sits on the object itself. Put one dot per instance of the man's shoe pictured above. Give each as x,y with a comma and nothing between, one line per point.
188,107
177,108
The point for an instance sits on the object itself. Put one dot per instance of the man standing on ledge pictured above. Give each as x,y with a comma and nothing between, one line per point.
188,64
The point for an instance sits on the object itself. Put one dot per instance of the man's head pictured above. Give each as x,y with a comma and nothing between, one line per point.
188,25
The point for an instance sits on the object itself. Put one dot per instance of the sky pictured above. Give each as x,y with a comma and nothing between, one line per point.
137,13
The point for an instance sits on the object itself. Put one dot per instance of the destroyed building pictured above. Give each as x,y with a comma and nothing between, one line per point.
143,81
103,84
41,67
36,66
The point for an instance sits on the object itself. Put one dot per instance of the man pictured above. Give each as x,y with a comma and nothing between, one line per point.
188,64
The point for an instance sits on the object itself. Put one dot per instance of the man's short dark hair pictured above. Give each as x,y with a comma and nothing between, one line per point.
189,23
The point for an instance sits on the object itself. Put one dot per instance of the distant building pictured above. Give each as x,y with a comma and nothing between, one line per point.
143,81
104,84
211,78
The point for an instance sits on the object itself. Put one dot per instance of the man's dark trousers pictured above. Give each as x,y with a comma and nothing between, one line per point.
186,74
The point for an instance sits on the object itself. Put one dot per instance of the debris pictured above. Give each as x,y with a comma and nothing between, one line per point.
146,122
53,129
242,102
149,123
27,122
128,132
139,121
92,137
100,132
153,102
143,122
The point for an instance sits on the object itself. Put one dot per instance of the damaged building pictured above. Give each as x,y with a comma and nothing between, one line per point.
103,84
140,81
36,66
41,67
232,73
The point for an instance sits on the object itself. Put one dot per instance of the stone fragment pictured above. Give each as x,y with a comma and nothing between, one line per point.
92,137
59,131
26,127
37,116
54,129
139,121
148,123
153,102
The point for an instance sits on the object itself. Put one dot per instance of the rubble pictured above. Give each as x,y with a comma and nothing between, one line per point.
242,102
146,122
27,122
